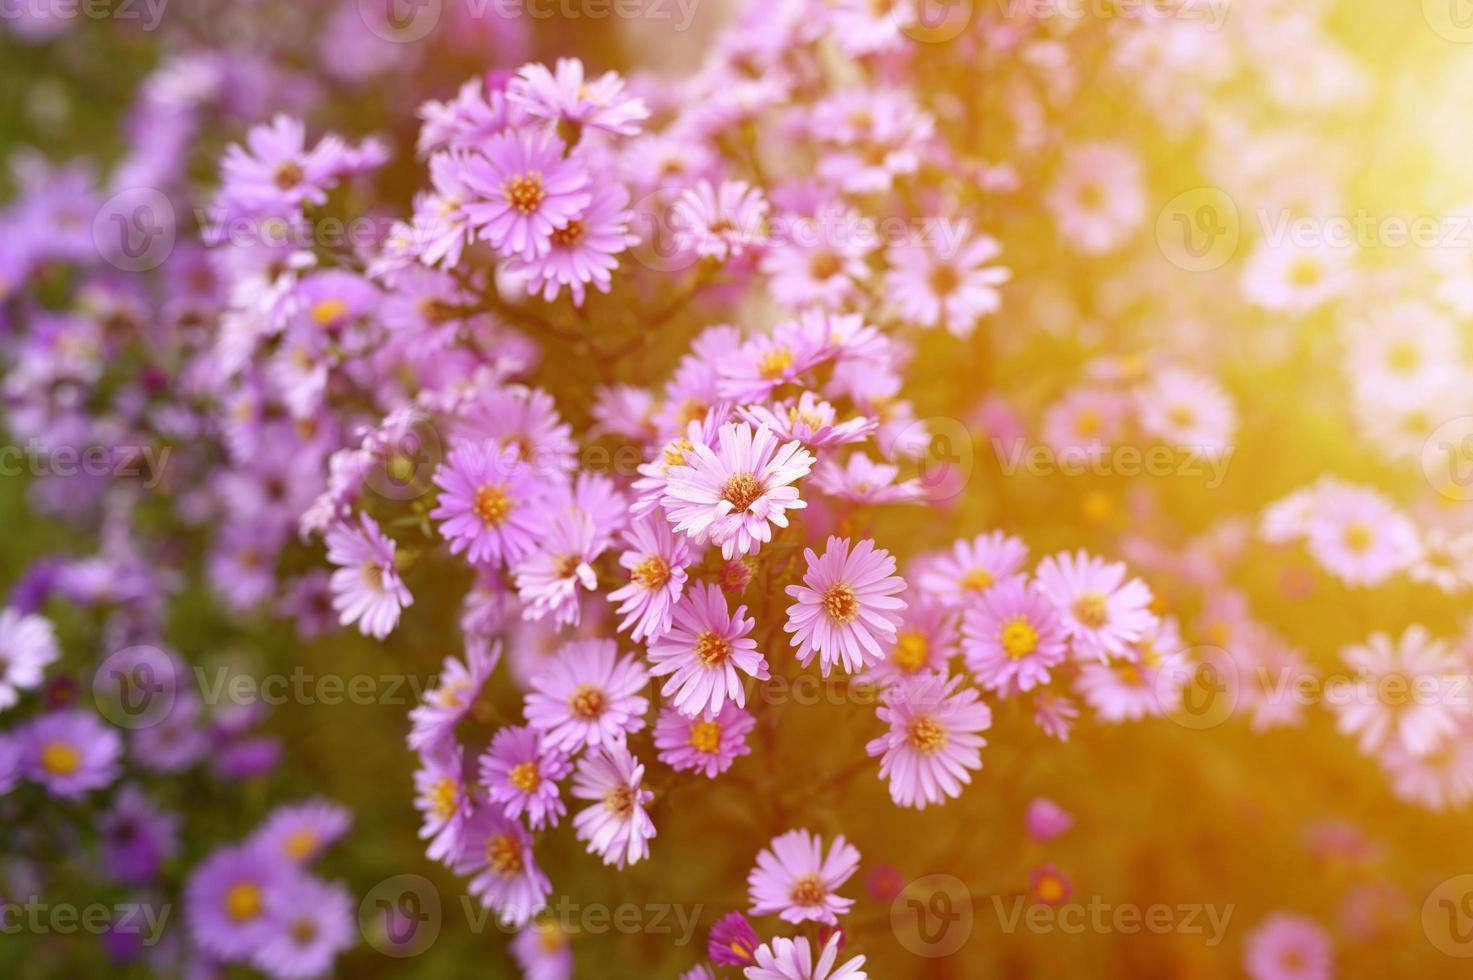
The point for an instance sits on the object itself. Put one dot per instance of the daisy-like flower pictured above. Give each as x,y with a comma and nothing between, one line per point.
70,753
732,941
27,647
1184,408
1267,671
543,951
526,189
846,611
732,495
615,825
792,959
1099,198
705,744
818,260
924,643
1144,686
1285,946
275,170
705,652
864,481
442,796
1362,537
1103,613
1440,780
1288,277
810,420
456,689
366,588
1012,637
522,774
1402,691
656,560
1446,561
498,851
952,285
764,361
232,897
548,579
582,251
586,695
933,743
301,831
973,567
795,881
719,222
1054,715
309,926
567,95
1083,424
488,504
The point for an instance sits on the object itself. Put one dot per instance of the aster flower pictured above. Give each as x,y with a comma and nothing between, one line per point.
1012,637
1360,536
366,586
301,831
1143,686
524,423
275,171
656,560
488,504
232,899
1285,946
951,285
933,742
566,95
526,189
792,959
1099,198
498,851
705,652
70,753
794,880
585,695
861,480
1406,691
455,690
582,252
1267,670
973,566
311,923
924,643
543,951
732,494
1441,780
443,798
1289,277
522,774
1054,715
1084,423
615,825
1103,613
846,611
818,260
1184,408
27,647
137,837
810,420
704,744
732,941
719,222
548,578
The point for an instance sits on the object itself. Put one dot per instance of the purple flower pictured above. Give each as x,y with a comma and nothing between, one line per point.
974,566
275,172
719,222
846,611
136,837
526,189
705,653
704,744
70,753
308,925
615,825
366,587
522,774
232,898
1012,637
582,251
586,695
299,832
933,742
488,504
442,796
656,561
732,940
795,881
792,959
548,579
543,951
599,102
459,685
499,850
1103,613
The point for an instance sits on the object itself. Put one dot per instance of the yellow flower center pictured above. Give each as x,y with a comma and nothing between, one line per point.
524,776
1090,609
1358,537
504,854
808,890
1049,889
619,801
711,649
1088,423
328,311
444,797
493,504
977,580
651,573
587,702
1019,638
60,758
912,650
1182,416
300,843
243,902
841,603
926,734
774,363
742,491
524,193
705,736
288,174
568,236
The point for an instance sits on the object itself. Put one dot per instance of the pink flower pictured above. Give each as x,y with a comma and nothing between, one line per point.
582,251
1285,946
795,881
656,561
1184,408
522,774
616,826
705,653
459,685
924,643
548,579
526,189
1359,535
973,566
1099,198
599,103
732,495
951,286
441,795
1103,613
792,959
1046,820
933,743
499,851
366,587
847,606
732,940
585,695
709,745
488,504
1406,691
811,420
719,222
1012,637
1049,885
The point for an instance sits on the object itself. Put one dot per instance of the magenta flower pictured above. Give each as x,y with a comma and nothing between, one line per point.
706,651
526,189
582,252
488,504
973,567
1045,819
732,941
933,743
1012,637
548,579
443,798
70,753
924,643
498,851
846,611
810,420
705,744
586,695
1286,946
656,561
732,495
795,881
599,103
615,825
1104,615
792,959
719,222
275,171
952,287
366,586
522,774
